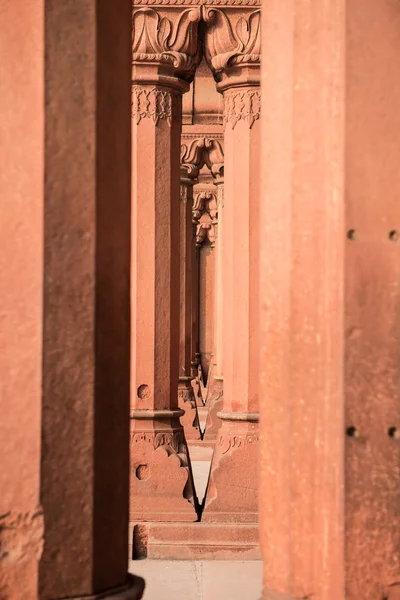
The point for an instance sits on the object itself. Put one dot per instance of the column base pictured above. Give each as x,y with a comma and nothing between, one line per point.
187,403
215,403
133,590
195,541
162,487
232,492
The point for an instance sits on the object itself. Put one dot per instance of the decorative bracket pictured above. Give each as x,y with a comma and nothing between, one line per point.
202,151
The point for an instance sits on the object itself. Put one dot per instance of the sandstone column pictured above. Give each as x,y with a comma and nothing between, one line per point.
164,52
86,342
187,305
301,319
65,189
232,489
21,290
201,151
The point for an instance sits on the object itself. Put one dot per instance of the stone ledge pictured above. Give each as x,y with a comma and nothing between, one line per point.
201,450
195,541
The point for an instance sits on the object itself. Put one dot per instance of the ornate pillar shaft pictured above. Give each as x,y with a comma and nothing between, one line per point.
195,303
201,151
301,303
233,484
218,294
161,479
214,397
196,319
186,398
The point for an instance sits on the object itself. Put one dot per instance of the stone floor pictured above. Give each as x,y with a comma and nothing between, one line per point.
199,580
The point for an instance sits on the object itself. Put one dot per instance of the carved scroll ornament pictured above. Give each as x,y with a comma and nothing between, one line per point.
202,151
205,216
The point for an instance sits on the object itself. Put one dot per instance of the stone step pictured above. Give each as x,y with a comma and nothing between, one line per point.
195,541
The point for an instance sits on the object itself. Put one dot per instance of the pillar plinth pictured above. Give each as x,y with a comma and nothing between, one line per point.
161,478
234,479
232,493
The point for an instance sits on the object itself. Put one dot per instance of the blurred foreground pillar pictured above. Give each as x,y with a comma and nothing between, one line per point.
21,306
302,301
65,261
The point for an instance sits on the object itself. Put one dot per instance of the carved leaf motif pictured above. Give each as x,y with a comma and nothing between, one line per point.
224,47
156,38
253,45
184,38
164,32
220,42
145,28
242,32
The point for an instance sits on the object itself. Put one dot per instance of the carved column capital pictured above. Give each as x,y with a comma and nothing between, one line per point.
165,43
232,46
232,49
